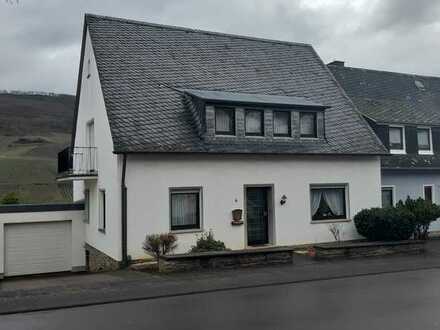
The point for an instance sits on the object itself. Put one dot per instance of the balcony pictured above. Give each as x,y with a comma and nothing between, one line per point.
79,163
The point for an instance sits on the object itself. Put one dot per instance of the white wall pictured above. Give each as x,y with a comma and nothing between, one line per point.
409,183
222,177
76,218
92,107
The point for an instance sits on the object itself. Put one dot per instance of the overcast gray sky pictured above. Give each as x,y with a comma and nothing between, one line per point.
40,39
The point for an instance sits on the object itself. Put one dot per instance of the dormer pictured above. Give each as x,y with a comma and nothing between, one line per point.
256,117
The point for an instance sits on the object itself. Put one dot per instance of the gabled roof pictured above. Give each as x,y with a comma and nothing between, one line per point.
390,97
144,67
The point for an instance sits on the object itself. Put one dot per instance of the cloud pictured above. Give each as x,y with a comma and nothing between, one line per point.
41,39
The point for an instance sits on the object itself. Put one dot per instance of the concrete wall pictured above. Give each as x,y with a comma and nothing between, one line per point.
407,183
92,107
223,177
75,216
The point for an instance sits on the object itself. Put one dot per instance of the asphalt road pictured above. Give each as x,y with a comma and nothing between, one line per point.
406,300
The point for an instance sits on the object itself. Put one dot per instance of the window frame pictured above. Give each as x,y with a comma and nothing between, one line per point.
232,131
402,135
86,205
262,131
102,220
393,193
344,186
186,190
428,151
289,123
432,186
315,119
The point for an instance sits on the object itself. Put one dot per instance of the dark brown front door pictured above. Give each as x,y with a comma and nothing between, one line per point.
257,215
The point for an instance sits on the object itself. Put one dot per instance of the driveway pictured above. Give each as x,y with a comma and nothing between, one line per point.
402,300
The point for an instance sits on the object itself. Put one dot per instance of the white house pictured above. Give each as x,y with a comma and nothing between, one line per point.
175,128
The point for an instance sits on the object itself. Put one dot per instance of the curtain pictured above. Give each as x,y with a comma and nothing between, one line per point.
335,200
223,120
395,135
184,209
308,125
253,121
423,138
281,123
316,200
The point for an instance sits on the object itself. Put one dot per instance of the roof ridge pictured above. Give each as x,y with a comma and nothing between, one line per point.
383,71
187,29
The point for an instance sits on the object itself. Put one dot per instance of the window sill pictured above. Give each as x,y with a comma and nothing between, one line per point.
426,152
397,152
187,231
309,138
313,222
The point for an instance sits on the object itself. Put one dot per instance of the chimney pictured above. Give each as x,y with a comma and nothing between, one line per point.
337,63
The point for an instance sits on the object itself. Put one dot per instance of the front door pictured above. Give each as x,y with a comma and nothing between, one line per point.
257,215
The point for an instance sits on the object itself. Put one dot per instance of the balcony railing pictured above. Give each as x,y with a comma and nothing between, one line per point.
79,161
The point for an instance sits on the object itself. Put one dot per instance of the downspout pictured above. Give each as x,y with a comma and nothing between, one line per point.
124,213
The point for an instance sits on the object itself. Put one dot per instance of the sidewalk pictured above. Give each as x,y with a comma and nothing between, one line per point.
32,294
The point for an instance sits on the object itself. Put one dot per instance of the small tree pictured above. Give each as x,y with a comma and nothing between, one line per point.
336,230
159,244
10,198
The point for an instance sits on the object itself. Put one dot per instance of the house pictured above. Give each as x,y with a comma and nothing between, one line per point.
404,111
175,128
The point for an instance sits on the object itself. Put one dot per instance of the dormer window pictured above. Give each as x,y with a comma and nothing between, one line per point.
397,139
224,121
308,125
254,122
424,140
281,123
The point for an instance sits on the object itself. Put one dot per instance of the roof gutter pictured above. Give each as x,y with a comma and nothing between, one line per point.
124,213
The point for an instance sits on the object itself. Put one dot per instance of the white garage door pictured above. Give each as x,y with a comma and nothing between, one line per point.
35,248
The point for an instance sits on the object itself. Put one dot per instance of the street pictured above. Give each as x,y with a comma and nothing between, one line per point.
402,300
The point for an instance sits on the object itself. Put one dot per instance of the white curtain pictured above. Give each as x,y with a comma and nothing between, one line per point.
423,138
184,209
335,200
281,122
223,120
316,200
307,124
253,122
395,135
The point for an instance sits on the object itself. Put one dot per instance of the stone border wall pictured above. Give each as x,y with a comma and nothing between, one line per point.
98,261
225,259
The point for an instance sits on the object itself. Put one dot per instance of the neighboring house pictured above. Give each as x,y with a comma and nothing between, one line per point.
404,111
175,128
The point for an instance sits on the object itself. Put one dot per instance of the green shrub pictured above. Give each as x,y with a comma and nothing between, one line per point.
10,198
206,242
424,213
385,224
159,244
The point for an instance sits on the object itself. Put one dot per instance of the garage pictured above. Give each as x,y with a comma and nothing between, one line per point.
35,248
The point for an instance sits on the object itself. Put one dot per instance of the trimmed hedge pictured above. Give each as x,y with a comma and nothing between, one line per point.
385,224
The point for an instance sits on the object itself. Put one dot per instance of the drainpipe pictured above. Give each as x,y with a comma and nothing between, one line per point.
124,213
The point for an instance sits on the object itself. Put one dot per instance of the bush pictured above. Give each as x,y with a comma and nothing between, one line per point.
159,244
10,198
424,213
206,242
385,224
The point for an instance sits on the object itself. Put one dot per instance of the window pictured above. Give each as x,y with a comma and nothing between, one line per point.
87,206
308,124
185,208
428,193
254,122
102,211
224,121
387,196
281,123
328,203
396,139
424,140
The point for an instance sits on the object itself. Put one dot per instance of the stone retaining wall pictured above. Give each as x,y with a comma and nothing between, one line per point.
225,259
98,261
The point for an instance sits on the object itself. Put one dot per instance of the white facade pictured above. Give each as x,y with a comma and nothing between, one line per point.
223,178
92,108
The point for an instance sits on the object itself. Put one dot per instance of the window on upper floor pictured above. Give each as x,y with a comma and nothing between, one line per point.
254,122
424,140
281,123
308,124
224,121
397,139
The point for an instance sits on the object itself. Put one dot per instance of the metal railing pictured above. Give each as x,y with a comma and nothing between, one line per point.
78,161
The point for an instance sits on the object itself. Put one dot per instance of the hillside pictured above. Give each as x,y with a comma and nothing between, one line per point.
33,129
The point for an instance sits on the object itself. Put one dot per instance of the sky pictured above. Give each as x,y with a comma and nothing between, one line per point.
40,39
